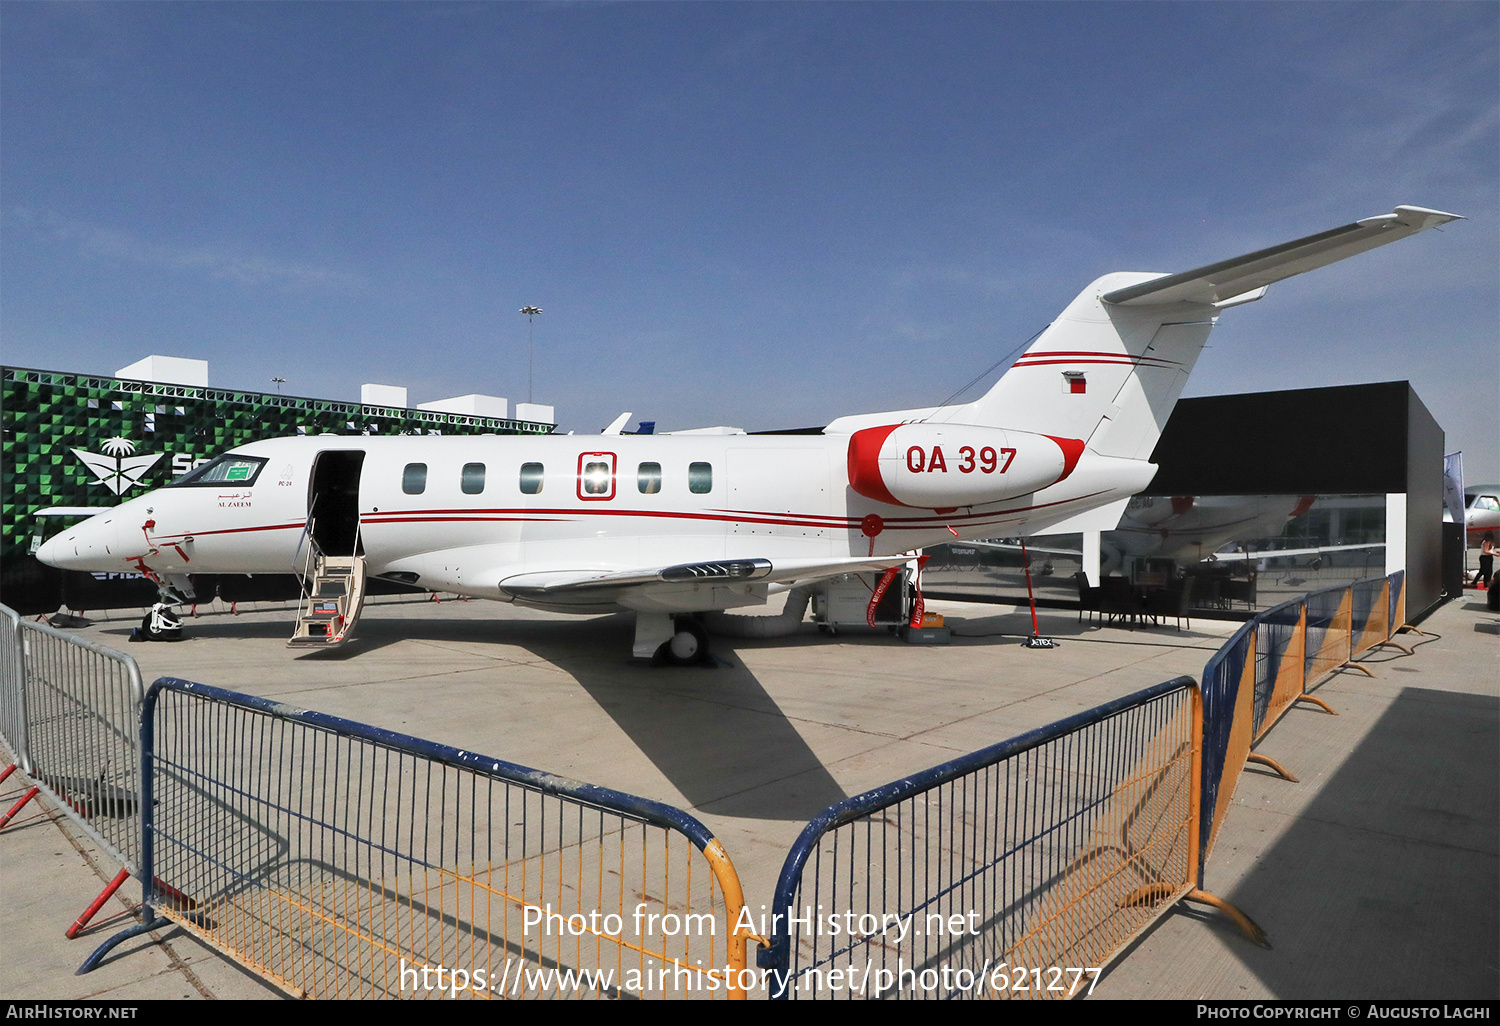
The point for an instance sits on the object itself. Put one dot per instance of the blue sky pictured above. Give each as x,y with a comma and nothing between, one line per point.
765,215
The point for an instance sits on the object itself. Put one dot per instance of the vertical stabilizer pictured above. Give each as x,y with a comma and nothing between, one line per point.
1111,367
1107,374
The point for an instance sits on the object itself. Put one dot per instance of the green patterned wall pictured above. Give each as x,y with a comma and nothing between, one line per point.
118,425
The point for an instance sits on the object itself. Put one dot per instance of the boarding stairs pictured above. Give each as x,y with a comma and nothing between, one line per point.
333,595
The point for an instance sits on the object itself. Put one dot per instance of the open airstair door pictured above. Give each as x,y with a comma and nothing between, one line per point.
333,567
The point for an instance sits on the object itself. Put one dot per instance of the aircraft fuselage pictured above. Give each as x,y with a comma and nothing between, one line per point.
464,513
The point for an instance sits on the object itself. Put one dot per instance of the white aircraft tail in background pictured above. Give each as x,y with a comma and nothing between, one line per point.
674,525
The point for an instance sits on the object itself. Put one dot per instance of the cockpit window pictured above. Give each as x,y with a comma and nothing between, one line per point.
229,469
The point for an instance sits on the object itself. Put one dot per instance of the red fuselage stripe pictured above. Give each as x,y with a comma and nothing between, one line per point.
1084,353
717,516
1123,361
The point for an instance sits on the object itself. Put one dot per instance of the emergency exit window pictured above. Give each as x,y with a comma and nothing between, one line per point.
596,478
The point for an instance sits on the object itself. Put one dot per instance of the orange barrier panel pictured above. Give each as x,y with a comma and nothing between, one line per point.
1241,731
1330,650
1291,675
1374,626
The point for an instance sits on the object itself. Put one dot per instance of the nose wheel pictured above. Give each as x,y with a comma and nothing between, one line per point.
161,624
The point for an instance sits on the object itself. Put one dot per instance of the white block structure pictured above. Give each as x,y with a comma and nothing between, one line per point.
382,395
167,370
535,412
473,405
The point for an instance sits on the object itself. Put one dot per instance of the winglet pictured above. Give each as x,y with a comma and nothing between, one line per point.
1223,281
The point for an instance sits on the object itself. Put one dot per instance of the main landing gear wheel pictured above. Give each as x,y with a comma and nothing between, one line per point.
688,645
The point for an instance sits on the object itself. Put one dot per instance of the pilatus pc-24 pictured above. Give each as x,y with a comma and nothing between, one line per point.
675,525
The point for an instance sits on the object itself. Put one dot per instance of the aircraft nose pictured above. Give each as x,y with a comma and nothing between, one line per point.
91,545
55,551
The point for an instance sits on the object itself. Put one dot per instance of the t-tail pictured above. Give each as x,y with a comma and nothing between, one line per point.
1102,379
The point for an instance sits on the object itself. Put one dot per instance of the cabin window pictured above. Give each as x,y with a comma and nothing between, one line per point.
648,478
414,479
531,478
472,480
700,478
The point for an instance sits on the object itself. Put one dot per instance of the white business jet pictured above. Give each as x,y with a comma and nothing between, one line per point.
1482,517
674,525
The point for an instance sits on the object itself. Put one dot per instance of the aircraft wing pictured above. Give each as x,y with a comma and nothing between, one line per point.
556,584
1240,276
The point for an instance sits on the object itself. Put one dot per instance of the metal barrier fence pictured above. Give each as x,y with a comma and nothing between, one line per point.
12,689
342,860
1370,609
1328,622
1398,602
1268,664
347,861
1281,662
81,706
1017,871
69,712
1302,641
1059,846
1228,731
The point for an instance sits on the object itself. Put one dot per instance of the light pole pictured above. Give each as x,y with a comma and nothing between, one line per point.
530,312
278,382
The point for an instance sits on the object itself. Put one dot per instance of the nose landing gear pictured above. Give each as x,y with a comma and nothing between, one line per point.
161,624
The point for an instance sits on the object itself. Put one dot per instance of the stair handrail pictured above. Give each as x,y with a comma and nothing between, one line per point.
313,557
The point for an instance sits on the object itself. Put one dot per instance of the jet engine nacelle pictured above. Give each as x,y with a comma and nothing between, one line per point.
945,466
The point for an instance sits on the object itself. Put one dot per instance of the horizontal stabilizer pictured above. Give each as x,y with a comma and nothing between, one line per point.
1227,279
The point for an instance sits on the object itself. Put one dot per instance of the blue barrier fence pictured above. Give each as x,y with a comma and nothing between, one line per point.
335,857
342,860
1052,849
